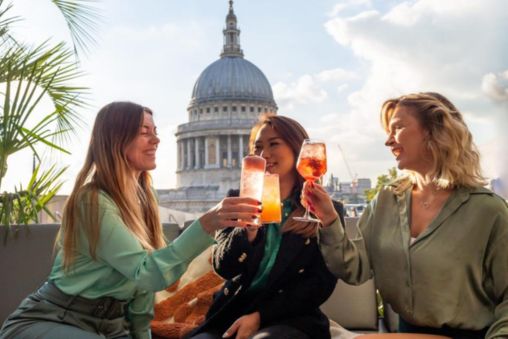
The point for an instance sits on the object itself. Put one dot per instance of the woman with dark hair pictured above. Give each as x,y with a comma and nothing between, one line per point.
276,276
112,255
435,239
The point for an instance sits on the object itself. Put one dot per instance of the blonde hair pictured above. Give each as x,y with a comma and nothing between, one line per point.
455,158
107,169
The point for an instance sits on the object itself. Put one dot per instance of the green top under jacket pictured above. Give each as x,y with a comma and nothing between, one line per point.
272,245
455,273
123,269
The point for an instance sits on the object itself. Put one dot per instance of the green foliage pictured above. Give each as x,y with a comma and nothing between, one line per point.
382,180
23,205
28,75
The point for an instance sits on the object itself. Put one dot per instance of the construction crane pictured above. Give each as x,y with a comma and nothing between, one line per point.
354,179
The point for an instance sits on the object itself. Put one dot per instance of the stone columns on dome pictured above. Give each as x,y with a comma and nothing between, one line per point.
217,152
189,154
197,163
229,152
240,149
206,164
180,155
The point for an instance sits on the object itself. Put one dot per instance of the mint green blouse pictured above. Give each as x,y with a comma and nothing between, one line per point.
272,245
123,269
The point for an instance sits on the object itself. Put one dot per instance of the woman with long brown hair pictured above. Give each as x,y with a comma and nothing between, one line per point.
435,239
276,276
112,255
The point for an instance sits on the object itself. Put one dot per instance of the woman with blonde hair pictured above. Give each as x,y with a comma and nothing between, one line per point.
112,255
435,239
276,275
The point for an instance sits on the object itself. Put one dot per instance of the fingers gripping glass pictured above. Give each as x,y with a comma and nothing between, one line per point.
311,165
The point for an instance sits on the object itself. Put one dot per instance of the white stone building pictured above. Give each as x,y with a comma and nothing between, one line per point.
227,99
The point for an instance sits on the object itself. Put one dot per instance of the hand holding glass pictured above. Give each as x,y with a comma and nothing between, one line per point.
252,178
311,165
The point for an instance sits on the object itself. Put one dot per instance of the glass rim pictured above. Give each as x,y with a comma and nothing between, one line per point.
253,156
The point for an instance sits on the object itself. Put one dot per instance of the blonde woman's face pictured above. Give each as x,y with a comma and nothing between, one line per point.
141,151
407,141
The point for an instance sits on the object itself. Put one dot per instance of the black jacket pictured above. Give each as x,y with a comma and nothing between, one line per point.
298,284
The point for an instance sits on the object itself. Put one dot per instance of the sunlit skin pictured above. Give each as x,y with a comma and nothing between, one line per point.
141,151
407,141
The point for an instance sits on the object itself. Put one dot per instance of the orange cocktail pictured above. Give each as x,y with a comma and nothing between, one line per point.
311,165
271,212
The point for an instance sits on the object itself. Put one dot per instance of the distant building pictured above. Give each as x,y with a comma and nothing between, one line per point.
227,99
348,192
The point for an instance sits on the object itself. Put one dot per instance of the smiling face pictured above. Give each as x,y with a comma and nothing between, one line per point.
140,152
277,153
407,141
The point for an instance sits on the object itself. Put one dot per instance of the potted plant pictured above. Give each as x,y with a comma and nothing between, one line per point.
29,75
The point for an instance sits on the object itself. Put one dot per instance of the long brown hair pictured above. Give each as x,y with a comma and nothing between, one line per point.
107,169
293,135
456,160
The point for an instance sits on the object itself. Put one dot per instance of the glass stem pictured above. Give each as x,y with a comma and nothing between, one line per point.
307,213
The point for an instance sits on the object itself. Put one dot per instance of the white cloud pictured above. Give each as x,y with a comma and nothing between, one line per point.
311,88
342,88
496,86
425,45
344,5
305,90
328,118
336,74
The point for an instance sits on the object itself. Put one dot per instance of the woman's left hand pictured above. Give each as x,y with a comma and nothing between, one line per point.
244,326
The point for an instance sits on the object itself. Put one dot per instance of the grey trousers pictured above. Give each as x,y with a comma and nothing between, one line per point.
42,316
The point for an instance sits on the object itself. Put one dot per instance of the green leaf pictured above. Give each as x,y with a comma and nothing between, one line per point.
82,19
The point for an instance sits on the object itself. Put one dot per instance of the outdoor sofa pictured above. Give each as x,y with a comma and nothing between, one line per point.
27,253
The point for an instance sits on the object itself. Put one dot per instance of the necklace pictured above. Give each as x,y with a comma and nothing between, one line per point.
427,202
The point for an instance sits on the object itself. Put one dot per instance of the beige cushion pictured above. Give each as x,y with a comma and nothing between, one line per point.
339,332
353,307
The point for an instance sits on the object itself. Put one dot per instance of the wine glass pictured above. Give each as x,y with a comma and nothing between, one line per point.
311,165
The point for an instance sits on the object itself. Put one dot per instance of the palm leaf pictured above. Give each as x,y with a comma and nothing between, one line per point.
82,18
23,206
29,75
5,23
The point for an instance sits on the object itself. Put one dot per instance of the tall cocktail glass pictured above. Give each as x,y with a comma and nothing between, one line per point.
252,178
271,212
311,165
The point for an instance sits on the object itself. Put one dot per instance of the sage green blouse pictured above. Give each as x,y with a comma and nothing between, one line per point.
455,273
123,269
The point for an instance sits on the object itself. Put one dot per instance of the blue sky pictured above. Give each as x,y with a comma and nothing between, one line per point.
330,63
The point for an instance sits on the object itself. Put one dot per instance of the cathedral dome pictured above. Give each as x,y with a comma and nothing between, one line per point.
232,77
